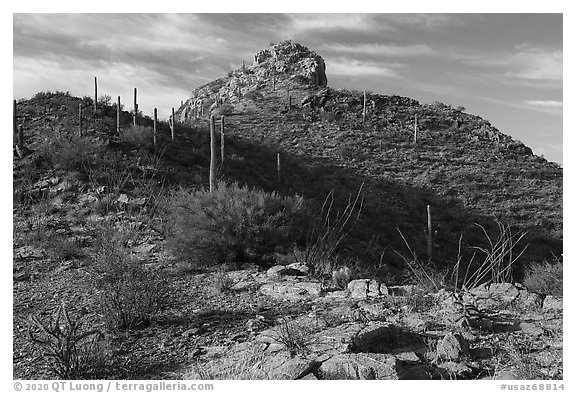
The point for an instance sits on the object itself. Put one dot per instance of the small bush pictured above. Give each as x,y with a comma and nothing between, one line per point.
223,282
128,292
294,336
70,152
233,224
545,279
67,342
139,136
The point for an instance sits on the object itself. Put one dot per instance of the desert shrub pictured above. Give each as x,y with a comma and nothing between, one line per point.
233,224
129,293
139,136
70,152
225,109
545,278
293,335
223,282
67,342
326,232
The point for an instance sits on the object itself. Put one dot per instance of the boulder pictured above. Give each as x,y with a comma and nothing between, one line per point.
452,346
360,366
294,269
552,304
293,291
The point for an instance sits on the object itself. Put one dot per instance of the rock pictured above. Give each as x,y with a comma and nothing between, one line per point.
493,296
453,370
413,372
191,332
552,304
283,366
294,269
528,300
452,346
531,328
481,353
360,366
292,290
375,337
403,290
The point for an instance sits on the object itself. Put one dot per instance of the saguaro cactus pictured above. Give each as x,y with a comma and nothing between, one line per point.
15,118
135,105
429,232
80,119
118,117
278,168
95,93
222,139
415,128
20,135
173,124
155,125
212,178
364,108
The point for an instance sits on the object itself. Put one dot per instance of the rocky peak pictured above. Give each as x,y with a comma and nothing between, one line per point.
293,58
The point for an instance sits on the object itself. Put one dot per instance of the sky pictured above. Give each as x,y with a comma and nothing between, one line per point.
507,68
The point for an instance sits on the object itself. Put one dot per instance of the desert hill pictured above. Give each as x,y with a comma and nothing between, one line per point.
120,227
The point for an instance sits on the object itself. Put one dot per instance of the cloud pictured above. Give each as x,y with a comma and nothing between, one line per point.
353,67
525,63
546,106
375,49
550,104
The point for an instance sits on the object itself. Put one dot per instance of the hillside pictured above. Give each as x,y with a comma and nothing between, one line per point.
104,217
463,167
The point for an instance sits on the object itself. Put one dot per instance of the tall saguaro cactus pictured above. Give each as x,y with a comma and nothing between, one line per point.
364,108
15,118
429,232
155,125
20,135
278,168
80,119
135,105
212,178
95,94
222,139
173,124
415,128
118,117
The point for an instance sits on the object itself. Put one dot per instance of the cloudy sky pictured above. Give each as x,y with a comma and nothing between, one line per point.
506,68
